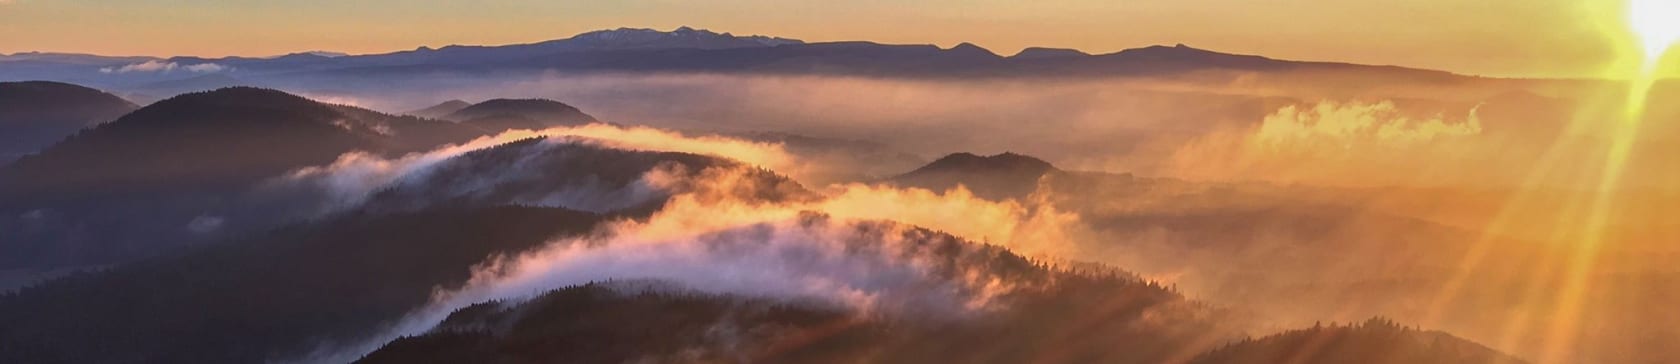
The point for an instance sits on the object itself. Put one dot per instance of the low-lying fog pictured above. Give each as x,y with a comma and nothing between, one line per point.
1467,207
1240,128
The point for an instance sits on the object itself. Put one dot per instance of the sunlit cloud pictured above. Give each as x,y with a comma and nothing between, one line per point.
164,67
1351,143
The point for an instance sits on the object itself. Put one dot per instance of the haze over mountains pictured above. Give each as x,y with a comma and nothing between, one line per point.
692,196
645,50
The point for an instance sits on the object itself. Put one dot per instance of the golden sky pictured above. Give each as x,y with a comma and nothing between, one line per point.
1545,38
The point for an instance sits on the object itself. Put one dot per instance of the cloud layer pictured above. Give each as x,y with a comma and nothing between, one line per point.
164,67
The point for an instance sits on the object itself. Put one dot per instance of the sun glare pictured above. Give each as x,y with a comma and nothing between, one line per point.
1658,25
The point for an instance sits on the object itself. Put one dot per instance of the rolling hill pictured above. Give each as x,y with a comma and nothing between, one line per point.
1377,341
440,110
277,292
160,175
36,114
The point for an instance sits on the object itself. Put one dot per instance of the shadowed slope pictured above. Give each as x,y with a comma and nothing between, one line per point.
1376,341
150,177
36,114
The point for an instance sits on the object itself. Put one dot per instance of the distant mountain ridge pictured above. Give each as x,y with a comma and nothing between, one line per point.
682,37
685,49
122,188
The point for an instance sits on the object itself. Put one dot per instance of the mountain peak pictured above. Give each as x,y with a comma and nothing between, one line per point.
1181,49
1003,162
319,54
1044,53
971,48
547,112
681,37
1183,56
997,177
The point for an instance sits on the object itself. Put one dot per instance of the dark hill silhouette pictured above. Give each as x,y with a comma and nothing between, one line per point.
1377,341
1000,163
36,114
601,323
440,110
276,293
127,186
623,321
503,114
212,138
998,177
325,280
1069,316
279,293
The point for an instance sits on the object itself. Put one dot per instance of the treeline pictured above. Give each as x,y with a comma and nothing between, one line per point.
1064,317
1377,341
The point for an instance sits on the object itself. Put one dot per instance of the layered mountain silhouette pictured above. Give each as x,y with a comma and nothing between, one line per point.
123,187
209,138
1059,315
696,50
268,295
626,321
249,225
1068,322
325,279
194,204
36,114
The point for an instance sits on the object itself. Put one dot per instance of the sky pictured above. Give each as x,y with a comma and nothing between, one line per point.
1507,38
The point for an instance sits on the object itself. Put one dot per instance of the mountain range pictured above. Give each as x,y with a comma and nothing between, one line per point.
195,158
683,50
204,215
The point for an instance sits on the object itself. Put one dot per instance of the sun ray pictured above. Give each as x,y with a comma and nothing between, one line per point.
1653,23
